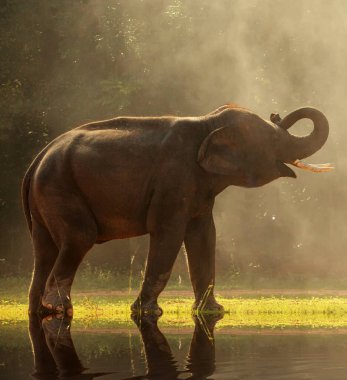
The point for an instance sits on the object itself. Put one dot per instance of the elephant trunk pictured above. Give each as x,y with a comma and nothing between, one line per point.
296,147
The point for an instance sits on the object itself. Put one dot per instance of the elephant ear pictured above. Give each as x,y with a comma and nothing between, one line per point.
219,153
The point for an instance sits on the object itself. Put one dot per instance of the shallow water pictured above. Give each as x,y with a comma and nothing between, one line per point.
146,352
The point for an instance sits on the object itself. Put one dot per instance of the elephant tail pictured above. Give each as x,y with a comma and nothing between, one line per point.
26,185
25,195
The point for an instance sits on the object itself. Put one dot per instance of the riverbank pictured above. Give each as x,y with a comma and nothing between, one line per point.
109,311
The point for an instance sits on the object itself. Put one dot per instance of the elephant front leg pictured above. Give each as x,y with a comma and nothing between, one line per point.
164,247
200,242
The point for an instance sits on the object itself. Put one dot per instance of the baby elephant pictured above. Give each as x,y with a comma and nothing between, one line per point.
131,176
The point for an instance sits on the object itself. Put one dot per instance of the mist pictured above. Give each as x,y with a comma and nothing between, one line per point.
66,63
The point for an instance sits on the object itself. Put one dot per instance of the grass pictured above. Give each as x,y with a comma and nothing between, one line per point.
264,312
93,278
113,311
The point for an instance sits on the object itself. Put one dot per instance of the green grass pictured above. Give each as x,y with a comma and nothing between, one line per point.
269,312
90,278
110,311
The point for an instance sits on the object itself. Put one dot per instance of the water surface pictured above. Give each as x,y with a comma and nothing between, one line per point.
57,350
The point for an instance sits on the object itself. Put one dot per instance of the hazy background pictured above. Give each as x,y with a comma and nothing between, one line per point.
64,63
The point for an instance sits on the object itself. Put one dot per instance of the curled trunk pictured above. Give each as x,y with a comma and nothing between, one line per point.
296,147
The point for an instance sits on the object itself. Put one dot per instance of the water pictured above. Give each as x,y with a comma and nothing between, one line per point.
146,352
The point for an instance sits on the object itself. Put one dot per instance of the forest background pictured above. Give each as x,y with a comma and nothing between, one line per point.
65,63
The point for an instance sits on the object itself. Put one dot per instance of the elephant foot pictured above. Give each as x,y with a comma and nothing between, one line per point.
53,323
55,302
57,310
146,308
37,309
142,321
209,306
208,320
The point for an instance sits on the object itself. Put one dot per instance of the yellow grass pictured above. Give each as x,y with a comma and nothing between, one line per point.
269,312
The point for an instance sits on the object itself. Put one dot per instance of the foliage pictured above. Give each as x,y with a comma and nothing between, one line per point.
65,63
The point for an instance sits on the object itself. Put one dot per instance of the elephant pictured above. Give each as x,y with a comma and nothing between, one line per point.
130,176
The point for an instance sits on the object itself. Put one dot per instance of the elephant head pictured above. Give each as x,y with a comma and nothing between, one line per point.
252,151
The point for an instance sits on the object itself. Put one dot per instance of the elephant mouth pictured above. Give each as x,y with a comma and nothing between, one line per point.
315,168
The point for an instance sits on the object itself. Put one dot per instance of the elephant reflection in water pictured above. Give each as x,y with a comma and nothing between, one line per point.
160,361
55,356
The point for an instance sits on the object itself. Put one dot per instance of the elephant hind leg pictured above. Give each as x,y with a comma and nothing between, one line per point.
45,255
75,237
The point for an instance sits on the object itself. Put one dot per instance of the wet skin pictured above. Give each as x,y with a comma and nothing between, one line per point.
130,176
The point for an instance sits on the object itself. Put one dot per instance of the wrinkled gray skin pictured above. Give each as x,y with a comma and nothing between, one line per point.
131,176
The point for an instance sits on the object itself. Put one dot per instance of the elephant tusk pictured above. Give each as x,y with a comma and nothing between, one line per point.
316,168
